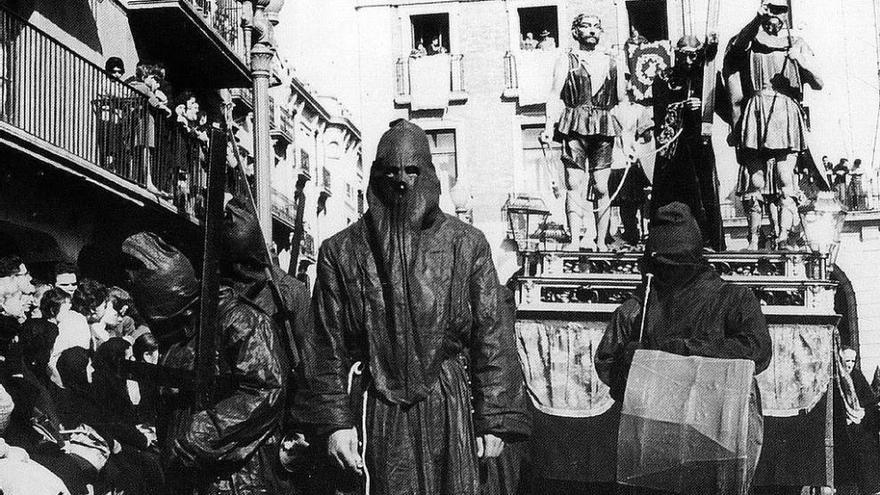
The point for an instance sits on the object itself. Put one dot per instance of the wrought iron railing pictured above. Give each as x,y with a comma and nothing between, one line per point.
60,101
225,17
456,75
283,206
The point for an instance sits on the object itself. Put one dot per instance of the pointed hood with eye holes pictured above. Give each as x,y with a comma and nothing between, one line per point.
398,215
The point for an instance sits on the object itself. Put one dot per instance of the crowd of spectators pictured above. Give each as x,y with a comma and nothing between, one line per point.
162,145
69,420
848,183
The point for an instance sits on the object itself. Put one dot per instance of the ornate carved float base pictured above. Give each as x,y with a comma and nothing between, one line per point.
566,299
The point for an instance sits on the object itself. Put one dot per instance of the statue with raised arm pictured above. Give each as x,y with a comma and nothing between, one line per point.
766,67
583,92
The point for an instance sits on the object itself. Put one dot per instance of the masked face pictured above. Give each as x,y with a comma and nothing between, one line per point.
402,157
394,180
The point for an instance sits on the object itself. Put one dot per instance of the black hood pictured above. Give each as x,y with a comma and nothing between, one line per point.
163,282
243,252
400,211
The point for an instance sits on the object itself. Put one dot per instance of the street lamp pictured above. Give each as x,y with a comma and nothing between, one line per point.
822,220
523,212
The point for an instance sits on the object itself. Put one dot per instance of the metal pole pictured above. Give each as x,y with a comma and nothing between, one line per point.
262,53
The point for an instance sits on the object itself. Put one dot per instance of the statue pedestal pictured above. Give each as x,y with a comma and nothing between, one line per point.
564,302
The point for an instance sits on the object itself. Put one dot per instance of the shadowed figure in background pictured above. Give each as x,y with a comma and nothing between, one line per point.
685,169
407,302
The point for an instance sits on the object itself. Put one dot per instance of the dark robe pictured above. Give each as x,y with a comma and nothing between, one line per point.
703,316
691,312
685,171
857,446
231,444
413,294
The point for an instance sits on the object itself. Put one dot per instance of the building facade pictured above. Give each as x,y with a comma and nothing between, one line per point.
480,98
316,159
87,159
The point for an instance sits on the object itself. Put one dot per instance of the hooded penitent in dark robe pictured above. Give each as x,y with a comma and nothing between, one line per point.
412,293
691,310
228,447
243,267
685,168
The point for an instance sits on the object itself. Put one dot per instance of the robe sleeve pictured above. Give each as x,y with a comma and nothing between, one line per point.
496,376
745,333
231,429
613,357
323,398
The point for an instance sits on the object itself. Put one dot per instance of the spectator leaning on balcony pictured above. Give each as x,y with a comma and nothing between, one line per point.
115,68
146,81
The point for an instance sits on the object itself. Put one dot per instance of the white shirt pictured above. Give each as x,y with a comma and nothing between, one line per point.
73,331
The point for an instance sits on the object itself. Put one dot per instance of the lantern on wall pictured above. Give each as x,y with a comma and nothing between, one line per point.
822,220
526,218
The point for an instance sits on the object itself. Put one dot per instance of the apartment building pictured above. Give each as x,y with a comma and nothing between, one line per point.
86,159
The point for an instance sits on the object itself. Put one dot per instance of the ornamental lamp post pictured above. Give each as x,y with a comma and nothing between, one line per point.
822,220
524,212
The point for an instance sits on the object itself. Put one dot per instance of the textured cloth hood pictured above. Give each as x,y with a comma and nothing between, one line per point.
163,281
675,236
398,216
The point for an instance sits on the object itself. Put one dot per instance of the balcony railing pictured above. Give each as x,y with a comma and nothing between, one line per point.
408,77
62,105
225,17
284,208
211,28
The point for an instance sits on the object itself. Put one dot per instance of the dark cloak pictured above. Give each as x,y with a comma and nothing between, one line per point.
857,446
413,293
691,310
686,171
232,441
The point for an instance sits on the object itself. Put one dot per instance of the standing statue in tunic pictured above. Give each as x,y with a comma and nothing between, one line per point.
766,67
583,93
685,167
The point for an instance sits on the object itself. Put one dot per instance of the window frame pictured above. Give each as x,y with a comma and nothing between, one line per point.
564,40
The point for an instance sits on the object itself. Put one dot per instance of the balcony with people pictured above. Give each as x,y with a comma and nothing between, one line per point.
210,28
130,135
431,76
528,65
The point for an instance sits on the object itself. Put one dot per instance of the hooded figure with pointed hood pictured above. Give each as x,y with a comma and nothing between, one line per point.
691,310
409,297
231,445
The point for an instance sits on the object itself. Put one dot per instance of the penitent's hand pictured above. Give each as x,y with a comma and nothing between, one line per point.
489,446
343,449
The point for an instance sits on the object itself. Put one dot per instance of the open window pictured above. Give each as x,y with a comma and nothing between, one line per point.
430,34
443,152
649,18
538,28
